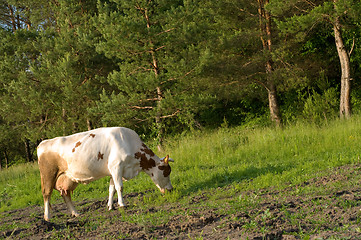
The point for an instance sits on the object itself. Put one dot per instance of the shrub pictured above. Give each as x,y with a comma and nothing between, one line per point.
319,107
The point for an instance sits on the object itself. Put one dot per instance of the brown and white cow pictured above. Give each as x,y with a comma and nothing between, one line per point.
84,157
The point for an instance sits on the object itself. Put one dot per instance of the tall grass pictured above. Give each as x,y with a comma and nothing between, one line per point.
244,158
263,157
20,186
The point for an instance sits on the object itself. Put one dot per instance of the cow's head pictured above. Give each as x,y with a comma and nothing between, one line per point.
160,174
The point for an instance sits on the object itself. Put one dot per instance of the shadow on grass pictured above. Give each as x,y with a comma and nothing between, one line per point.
230,177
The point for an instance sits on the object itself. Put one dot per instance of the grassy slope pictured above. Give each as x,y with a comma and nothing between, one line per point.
247,159
259,158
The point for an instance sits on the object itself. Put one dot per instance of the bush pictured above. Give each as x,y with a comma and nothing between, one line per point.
319,107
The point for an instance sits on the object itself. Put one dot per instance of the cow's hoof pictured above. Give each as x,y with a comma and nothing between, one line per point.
75,214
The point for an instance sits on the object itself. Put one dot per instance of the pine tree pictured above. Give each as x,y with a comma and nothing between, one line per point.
69,70
157,45
51,74
338,14
251,59
15,56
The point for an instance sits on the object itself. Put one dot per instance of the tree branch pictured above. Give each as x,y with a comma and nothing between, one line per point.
158,48
310,3
139,107
262,84
148,99
171,115
165,31
140,68
172,79
353,46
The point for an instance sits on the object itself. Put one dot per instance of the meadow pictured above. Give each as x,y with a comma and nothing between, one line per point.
246,158
228,163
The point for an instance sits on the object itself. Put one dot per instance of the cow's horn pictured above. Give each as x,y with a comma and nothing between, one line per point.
166,160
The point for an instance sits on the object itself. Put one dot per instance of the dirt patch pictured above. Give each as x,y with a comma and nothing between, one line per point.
321,208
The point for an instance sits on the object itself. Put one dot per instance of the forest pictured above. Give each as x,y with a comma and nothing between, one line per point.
165,68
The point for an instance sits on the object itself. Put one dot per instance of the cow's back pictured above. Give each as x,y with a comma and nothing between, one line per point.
58,145
87,154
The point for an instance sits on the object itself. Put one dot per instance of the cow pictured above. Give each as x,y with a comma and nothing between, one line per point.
64,162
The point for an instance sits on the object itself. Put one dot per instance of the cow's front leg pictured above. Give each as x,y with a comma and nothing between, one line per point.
111,194
119,187
118,184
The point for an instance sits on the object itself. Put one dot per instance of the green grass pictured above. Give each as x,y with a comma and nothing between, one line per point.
247,159
260,158
20,187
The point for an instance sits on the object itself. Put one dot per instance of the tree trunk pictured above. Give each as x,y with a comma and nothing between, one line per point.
89,124
6,159
266,38
75,127
27,19
64,120
18,22
154,63
273,105
345,91
12,17
29,157
158,121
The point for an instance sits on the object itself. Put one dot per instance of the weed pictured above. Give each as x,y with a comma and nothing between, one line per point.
250,225
196,238
345,203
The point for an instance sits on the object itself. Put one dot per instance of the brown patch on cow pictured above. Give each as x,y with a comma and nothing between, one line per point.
100,156
146,163
76,145
92,135
137,155
147,150
166,170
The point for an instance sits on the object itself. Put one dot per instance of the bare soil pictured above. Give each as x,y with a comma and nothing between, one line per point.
326,207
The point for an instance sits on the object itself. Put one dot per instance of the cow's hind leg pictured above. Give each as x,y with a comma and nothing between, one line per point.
111,194
47,191
48,173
